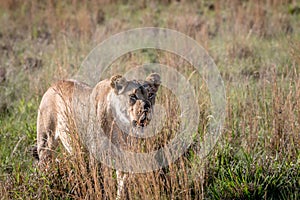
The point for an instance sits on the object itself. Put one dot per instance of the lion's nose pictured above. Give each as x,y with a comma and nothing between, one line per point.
143,117
143,120
146,106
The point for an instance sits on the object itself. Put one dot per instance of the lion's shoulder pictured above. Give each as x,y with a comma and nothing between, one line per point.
101,91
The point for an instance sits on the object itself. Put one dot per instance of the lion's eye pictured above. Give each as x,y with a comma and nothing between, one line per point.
132,98
151,95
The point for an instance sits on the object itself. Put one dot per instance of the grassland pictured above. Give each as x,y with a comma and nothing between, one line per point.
256,46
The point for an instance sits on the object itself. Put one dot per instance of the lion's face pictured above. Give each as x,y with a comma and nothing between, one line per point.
137,96
141,101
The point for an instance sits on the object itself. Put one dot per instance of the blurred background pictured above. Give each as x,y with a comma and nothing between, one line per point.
256,46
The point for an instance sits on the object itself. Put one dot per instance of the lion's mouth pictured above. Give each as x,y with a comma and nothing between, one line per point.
142,121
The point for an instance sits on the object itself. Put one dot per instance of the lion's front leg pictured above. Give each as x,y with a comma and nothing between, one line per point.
121,182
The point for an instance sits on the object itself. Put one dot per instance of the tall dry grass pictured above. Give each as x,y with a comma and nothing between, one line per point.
255,45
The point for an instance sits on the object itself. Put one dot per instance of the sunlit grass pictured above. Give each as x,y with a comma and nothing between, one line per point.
256,48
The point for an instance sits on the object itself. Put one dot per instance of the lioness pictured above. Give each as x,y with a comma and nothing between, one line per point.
130,101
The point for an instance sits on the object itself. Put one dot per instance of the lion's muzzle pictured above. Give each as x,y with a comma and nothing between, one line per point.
143,120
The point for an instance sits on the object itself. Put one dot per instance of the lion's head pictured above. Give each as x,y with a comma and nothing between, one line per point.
132,101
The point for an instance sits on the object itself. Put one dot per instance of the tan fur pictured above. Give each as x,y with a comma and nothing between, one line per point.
72,101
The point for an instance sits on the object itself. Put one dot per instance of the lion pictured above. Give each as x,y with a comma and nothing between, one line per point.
113,103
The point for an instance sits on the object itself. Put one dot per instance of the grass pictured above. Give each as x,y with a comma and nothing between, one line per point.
256,48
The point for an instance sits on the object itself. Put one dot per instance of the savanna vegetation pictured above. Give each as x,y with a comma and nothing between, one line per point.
256,46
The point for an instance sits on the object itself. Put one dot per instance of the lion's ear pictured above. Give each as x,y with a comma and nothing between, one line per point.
118,83
154,79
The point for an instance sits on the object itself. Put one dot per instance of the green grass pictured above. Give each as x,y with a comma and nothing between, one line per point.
256,49
241,175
